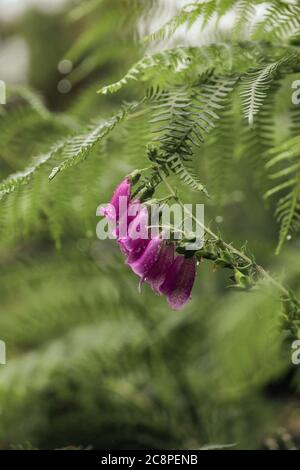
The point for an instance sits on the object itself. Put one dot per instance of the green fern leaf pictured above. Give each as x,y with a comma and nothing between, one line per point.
245,12
255,86
15,180
33,98
281,21
182,117
187,15
79,147
169,60
185,173
286,160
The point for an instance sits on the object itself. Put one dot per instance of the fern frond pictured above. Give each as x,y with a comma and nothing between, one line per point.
165,67
255,86
259,138
170,60
288,214
134,135
219,154
15,180
11,124
186,173
187,15
24,133
245,13
295,120
286,159
79,147
208,11
183,117
204,11
224,6
281,21
33,98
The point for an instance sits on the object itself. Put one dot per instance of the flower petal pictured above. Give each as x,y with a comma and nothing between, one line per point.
179,282
137,247
157,274
148,258
123,190
121,193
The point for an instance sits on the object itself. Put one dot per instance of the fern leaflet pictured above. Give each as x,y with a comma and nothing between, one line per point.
286,159
185,173
79,147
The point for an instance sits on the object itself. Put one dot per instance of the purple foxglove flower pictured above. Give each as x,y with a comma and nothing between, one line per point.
179,282
157,274
147,259
121,193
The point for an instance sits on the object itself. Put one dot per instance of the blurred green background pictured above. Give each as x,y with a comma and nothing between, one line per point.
90,361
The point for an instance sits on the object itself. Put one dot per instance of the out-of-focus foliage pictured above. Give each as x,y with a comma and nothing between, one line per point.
90,361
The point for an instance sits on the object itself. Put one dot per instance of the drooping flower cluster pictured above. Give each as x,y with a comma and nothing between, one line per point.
153,260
